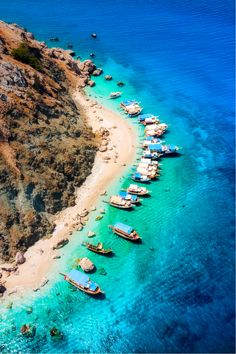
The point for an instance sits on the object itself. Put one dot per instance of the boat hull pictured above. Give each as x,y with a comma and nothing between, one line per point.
126,236
121,207
87,291
99,251
137,193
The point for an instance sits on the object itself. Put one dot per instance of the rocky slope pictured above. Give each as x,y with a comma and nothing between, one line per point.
46,147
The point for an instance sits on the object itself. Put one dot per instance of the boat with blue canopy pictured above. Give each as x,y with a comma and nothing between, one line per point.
131,107
118,202
127,103
82,282
151,140
138,177
131,197
125,231
148,119
147,154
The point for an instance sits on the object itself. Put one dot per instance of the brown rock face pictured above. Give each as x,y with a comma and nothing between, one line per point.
46,148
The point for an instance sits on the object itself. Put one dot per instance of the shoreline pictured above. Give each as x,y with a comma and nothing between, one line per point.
120,152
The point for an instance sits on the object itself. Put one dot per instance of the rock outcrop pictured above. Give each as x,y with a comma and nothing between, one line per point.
46,148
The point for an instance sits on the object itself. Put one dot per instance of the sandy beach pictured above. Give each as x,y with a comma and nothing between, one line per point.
120,152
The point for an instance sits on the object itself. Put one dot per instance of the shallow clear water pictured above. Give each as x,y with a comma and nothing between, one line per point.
175,292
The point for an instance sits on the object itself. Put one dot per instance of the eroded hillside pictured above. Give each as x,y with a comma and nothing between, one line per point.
46,148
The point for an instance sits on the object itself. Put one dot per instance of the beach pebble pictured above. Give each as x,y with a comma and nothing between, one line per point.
93,208
104,192
83,213
9,305
56,257
103,149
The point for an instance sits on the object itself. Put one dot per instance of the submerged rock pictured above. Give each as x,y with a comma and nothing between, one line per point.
28,330
120,84
54,332
102,271
29,310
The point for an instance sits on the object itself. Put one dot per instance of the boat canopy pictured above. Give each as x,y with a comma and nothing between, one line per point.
155,147
124,194
133,186
125,228
145,116
128,102
78,277
137,175
172,147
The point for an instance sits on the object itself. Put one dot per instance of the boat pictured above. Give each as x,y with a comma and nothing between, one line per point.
82,282
138,177
118,202
135,189
115,94
130,197
148,172
156,129
126,103
148,119
131,107
151,155
151,140
149,161
133,110
163,149
170,149
125,231
97,248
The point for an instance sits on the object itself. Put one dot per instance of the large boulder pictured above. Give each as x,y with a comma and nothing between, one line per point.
88,66
20,258
97,72
91,83
86,265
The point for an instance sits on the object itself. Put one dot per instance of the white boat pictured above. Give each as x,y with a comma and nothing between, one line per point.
115,94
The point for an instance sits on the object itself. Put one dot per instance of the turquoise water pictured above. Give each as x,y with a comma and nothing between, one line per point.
175,291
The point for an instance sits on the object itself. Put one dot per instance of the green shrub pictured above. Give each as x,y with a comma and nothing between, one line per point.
28,55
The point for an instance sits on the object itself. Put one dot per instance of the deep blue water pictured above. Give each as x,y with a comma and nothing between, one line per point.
175,293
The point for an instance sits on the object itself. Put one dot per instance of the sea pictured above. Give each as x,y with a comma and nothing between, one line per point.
175,292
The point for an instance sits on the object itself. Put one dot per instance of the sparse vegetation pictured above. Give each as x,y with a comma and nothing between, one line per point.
27,55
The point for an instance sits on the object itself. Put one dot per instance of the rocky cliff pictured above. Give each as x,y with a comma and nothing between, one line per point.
46,148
